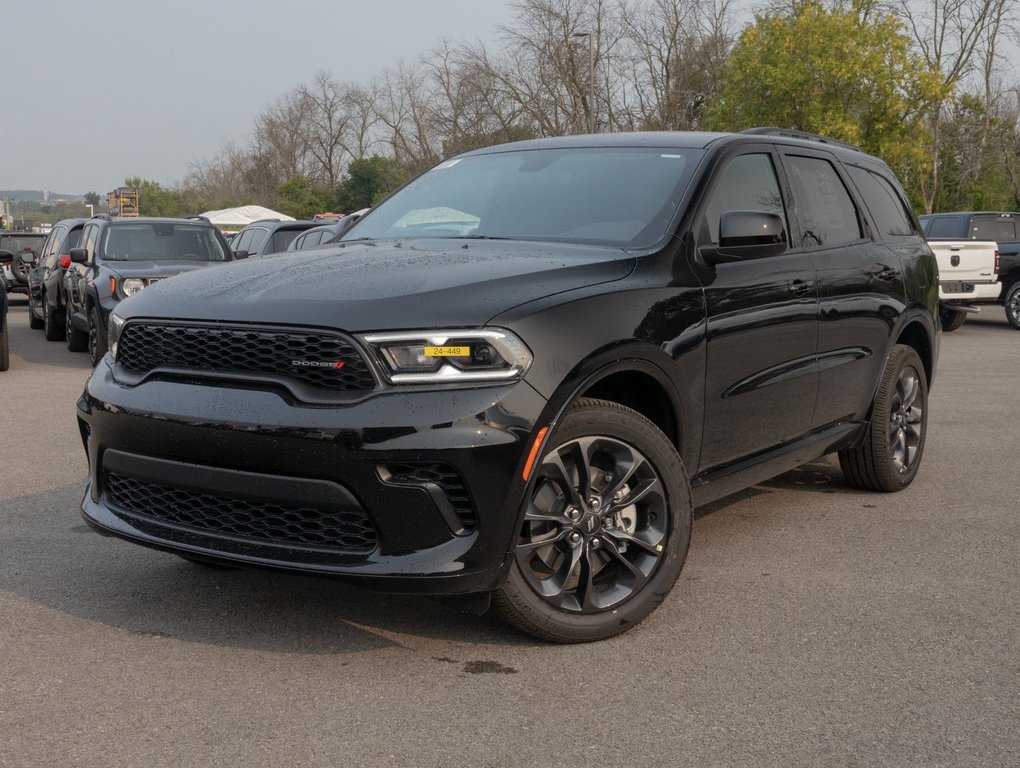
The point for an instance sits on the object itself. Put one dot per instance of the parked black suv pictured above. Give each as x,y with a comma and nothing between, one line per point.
517,376
268,236
5,339
120,257
47,300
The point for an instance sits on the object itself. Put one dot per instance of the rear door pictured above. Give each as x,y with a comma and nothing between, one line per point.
860,285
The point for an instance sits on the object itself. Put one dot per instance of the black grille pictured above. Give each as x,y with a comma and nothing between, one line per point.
448,480
348,531
145,347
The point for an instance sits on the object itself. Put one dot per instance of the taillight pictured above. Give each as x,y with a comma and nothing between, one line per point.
996,262
64,261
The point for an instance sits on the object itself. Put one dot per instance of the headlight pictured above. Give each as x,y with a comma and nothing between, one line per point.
131,286
113,330
420,357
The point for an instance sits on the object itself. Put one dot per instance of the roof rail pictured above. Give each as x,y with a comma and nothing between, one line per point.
103,216
791,133
262,221
198,218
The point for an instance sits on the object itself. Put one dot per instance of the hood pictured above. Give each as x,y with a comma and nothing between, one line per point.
156,268
382,286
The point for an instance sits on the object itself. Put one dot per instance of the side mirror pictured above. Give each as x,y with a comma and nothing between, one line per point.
240,254
747,235
79,256
26,257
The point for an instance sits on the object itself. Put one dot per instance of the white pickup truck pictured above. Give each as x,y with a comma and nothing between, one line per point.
968,276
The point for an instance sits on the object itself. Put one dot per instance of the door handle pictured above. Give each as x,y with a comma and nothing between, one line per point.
887,273
801,286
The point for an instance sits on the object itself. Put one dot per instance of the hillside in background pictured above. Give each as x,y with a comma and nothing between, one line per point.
37,195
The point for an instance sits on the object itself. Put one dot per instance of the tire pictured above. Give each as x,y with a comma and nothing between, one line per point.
33,322
951,319
592,559
97,337
5,346
53,328
1012,304
76,340
888,458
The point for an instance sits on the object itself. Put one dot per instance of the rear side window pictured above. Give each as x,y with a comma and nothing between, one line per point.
747,183
258,236
282,238
56,236
998,228
945,226
883,201
825,209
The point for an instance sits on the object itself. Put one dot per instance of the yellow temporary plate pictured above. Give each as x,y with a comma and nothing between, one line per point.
447,351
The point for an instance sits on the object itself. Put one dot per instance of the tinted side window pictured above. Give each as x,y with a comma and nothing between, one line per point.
747,183
242,241
825,209
945,226
258,236
73,239
89,240
50,249
883,201
992,228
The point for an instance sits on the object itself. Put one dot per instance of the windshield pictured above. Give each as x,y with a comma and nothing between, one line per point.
608,196
148,241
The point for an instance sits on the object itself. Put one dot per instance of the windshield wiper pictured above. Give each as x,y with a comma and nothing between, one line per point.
480,237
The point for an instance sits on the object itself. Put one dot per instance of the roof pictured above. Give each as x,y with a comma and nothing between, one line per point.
243,215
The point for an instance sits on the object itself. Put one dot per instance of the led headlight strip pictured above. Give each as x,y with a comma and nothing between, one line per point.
450,356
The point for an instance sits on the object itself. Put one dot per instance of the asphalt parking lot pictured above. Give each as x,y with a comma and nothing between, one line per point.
813,625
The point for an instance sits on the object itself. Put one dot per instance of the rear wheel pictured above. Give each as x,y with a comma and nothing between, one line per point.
606,528
888,458
951,319
1012,303
77,341
53,329
34,322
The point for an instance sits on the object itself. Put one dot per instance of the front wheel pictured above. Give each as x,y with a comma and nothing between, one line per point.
97,337
53,329
888,458
1012,303
75,339
606,527
951,319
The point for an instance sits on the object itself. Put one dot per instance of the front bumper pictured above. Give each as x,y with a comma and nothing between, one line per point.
406,491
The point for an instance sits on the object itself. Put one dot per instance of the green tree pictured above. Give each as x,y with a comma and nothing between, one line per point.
839,72
300,198
154,200
92,198
367,181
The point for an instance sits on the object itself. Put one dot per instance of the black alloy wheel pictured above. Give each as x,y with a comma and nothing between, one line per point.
35,323
52,329
605,531
888,458
1012,303
76,340
97,337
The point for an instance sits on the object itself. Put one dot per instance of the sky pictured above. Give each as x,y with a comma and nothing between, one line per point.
95,91
106,89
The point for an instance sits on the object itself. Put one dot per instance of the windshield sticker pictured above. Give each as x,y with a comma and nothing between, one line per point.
447,164
673,157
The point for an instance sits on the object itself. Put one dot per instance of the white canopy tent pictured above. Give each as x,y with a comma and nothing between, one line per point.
242,215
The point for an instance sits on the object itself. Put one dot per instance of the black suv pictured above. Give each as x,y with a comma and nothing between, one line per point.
516,377
47,300
120,257
268,236
5,343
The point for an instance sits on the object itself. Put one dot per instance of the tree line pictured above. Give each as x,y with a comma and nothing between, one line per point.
921,83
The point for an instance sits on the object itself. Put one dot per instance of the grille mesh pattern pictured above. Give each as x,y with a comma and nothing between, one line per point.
348,531
146,346
447,478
